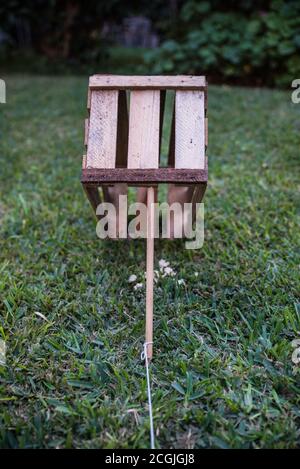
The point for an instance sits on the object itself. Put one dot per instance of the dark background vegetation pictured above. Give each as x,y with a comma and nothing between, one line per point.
243,42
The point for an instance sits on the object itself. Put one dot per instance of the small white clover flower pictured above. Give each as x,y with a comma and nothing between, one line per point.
137,286
162,264
181,281
132,278
169,271
196,274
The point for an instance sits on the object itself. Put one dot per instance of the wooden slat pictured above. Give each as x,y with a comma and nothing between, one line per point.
189,130
171,154
144,176
86,131
186,82
161,116
197,197
182,195
122,133
101,151
141,194
143,145
111,194
206,131
84,162
93,196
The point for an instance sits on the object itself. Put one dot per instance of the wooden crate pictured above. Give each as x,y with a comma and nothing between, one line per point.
123,142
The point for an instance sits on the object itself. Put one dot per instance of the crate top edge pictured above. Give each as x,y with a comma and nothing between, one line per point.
161,82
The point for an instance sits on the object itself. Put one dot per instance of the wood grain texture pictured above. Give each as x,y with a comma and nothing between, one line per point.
144,176
93,196
141,194
123,129
86,131
101,151
144,129
189,130
197,198
178,194
111,194
171,153
161,117
149,272
187,82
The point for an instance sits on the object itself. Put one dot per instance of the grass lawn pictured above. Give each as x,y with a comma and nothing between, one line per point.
222,373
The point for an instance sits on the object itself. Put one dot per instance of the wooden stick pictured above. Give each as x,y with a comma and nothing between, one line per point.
149,271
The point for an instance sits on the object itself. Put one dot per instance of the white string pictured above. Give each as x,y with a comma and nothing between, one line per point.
144,356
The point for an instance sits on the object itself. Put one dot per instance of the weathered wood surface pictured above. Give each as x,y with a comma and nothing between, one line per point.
144,129
102,136
189,130
150,272
187,82
147,176
124,150
93,196
161,117
86,131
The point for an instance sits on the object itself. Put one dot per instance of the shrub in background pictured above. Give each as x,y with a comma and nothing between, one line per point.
237,44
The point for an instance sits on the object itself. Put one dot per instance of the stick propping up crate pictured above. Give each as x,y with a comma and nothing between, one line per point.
123,145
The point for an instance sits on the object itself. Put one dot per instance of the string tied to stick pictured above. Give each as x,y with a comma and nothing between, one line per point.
144,357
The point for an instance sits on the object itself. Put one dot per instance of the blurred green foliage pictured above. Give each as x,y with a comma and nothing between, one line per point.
252,42
241,43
